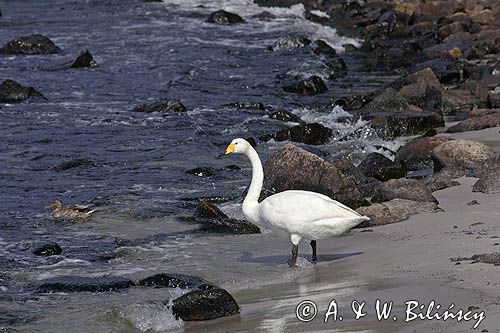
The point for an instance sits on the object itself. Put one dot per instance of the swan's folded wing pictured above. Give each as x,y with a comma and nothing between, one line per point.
304,206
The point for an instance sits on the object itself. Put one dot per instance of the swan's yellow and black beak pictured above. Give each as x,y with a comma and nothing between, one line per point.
230,149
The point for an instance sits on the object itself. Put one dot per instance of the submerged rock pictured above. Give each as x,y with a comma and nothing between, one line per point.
313,85
409,189
311,134
11,91
223,17
80,284
163,106
208,210
76,163
49,249
30,45
289,42
200,172
293,168
248,105
205,305
85,59
172,280
264,16
393,211
323,48
476,123
382,168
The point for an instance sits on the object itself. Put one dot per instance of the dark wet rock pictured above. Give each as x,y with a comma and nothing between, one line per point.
489,183
232,167
366,185
251,141
30,45
323,48
289,42
49,249
311,134
337,65
205,305
81,284
76,163
382,168
163,106
248,105
409,189
172,280
282,3
418,158
11,91
313,85
293,168
264,16
393,211
389,126
476,123
200,172
285,116
388,100
228,226
208,210
463,155
214,220
223,17
85,59
356,175
473,203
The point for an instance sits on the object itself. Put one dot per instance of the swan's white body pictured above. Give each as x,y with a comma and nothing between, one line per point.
303,214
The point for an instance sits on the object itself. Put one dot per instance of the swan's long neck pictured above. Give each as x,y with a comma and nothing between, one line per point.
251,200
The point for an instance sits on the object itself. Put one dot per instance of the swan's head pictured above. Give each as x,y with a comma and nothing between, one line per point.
238,146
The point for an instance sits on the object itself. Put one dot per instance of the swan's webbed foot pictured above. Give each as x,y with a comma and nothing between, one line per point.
295,252
314,258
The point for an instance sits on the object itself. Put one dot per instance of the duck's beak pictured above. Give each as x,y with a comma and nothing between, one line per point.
230,149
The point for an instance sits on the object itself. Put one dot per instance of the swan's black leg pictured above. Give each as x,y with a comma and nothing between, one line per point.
295,252
314,258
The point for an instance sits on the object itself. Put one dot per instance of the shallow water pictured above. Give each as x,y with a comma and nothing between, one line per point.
148,51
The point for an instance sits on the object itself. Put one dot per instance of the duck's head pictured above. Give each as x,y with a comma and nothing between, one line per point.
238,146
55,204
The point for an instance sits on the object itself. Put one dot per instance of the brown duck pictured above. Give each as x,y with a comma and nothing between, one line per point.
69,212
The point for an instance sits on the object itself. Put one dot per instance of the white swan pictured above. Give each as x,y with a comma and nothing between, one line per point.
303,214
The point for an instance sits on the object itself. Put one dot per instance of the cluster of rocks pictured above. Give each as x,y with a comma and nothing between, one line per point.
204,301
12,91
386,191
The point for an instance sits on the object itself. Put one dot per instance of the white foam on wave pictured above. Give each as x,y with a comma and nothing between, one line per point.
155,317
289,20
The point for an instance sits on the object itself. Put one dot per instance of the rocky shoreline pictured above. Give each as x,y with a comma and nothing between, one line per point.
446,55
